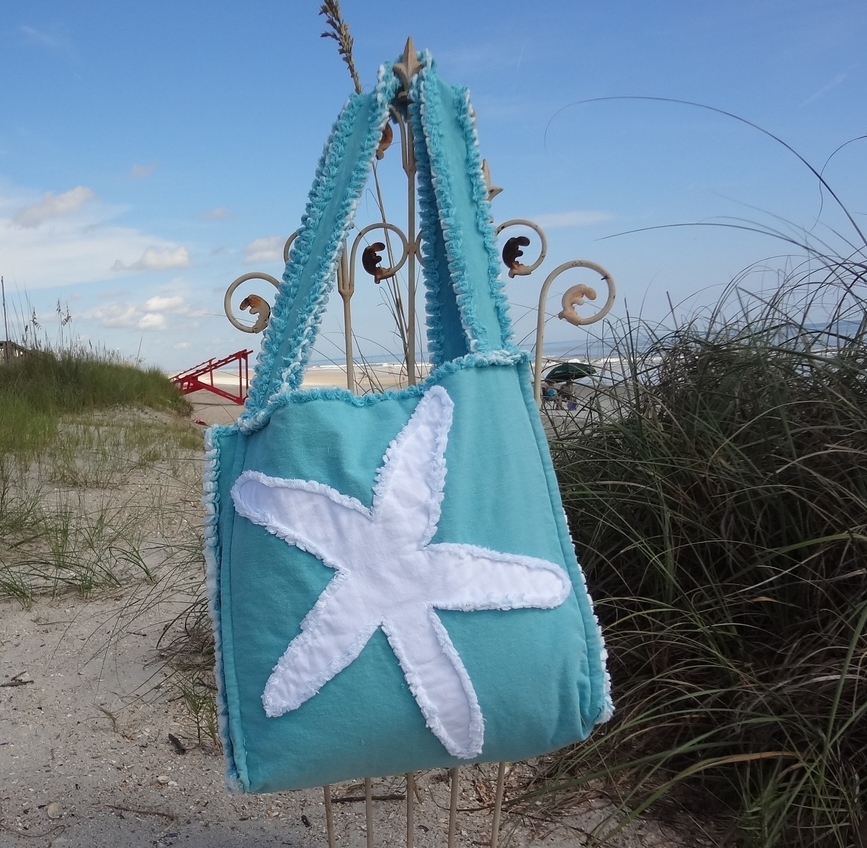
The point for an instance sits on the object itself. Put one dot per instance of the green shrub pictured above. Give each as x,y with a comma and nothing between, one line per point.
718,500
68,425
40,386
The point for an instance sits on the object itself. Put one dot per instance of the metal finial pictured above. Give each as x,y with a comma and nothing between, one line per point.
408,66
493,190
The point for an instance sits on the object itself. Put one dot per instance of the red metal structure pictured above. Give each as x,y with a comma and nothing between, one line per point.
193,379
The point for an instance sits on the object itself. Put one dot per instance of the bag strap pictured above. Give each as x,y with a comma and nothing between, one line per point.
340,179
466,307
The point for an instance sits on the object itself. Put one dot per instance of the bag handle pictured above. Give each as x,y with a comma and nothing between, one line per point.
340,179
466,308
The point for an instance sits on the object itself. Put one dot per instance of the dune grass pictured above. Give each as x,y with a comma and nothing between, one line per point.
718,500
90,450
717,495
38,388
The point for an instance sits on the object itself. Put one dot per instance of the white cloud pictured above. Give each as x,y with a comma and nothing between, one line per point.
114,315
219,213
153,314
53,206
575,218
137,171
156,259
159,303
152,321
267,249
76,242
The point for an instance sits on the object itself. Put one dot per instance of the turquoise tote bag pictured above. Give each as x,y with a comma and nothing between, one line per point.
392,582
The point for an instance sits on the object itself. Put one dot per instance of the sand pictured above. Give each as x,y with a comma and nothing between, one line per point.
213,409
86,757
210,408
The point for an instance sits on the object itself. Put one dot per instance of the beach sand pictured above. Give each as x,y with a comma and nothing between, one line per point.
210,408
86,709
86,759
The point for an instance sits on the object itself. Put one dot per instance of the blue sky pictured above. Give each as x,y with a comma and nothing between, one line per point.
151,153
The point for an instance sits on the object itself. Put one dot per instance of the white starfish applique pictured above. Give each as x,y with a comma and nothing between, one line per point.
390,575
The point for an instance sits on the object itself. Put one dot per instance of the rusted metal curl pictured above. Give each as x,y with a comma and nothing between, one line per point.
260,307
385,141
370,260
512,253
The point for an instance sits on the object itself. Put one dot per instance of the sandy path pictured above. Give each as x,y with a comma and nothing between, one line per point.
86,759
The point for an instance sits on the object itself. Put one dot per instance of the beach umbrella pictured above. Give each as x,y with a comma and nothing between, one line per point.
566,371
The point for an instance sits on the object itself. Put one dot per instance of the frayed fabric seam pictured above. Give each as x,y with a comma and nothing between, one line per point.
427,707
435,170
272,707
427,99
435,394
495,358
299,343
316,205
211,504
484,217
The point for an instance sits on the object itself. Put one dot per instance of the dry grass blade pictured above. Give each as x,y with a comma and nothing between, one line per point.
339,31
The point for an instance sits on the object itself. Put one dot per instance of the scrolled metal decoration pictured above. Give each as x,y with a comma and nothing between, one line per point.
512,250
385,141
261,308
258,306
370,257
410,256
288,245
370,260
579,294
576,295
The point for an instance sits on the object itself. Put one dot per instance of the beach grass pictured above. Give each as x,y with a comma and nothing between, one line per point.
717,495
718,500
90,449
35,389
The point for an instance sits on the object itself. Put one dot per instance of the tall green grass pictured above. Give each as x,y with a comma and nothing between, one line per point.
76,512
718,499
35,389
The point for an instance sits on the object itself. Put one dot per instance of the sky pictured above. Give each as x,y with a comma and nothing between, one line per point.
152,153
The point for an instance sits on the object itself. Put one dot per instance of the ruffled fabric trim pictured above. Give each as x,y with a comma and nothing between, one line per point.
299,253
484,217
286,350
606,709
443,213
430,228
273,704
211,504
476,729
427,126
394,577
472,360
